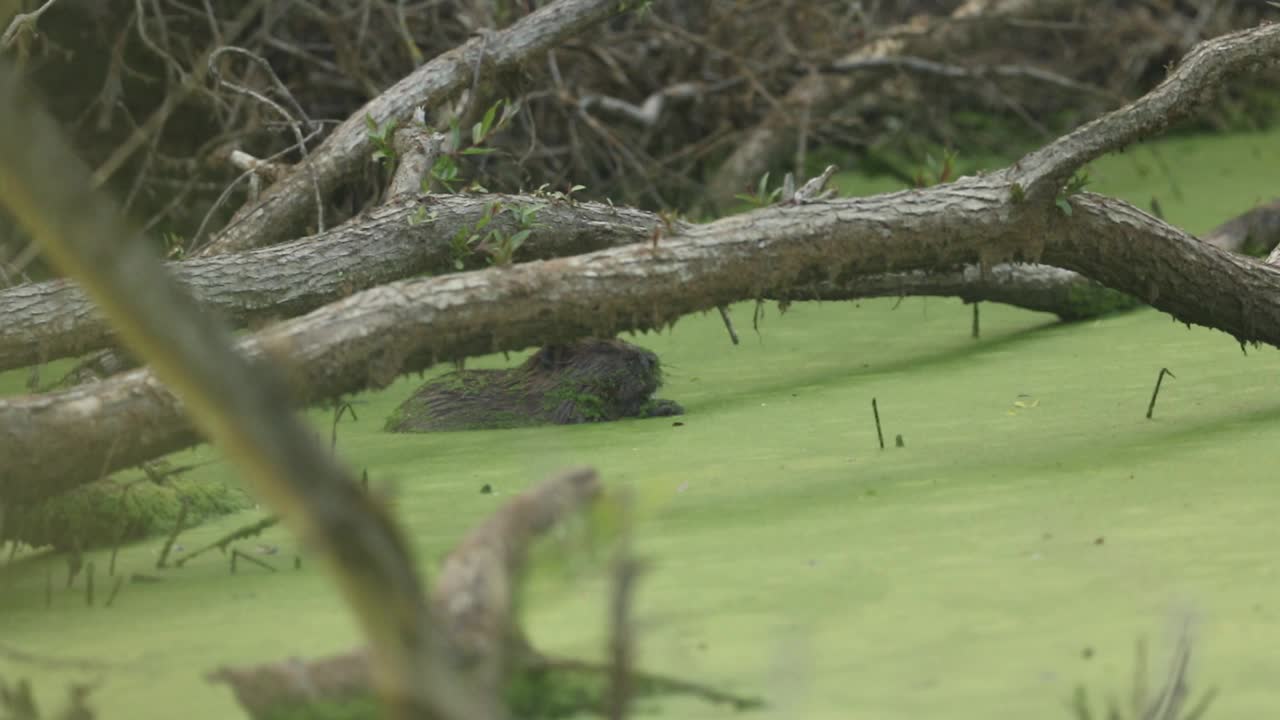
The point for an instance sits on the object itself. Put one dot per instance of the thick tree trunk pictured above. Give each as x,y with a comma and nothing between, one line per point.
53,442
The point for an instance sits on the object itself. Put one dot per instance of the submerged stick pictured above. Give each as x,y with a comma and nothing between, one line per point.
620,649
173,535
88,584
876,411
240,533
115,590
728,323
976,333
75,561
246,556
1159,378
115,546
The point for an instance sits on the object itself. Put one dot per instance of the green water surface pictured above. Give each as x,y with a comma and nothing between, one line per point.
1032,528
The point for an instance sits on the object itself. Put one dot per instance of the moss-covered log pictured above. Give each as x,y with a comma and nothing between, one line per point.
588,380
111,510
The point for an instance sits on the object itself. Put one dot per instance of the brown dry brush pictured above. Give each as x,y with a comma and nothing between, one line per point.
642,109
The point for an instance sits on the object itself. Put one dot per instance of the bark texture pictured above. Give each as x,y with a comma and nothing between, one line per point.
367,339
406,237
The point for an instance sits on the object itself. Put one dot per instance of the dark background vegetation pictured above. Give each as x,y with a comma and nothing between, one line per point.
112,69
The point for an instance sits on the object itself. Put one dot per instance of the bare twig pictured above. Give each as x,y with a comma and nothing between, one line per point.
728,323
23,23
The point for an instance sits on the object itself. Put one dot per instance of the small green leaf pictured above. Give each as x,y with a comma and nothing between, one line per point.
476,150
518,239
1064,206
487,123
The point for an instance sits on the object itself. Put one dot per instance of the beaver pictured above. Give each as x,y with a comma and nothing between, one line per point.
588,380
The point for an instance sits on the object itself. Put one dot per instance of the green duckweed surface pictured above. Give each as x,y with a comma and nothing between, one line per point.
1032,528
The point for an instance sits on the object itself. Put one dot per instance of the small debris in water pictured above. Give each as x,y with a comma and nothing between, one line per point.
898,441
486,490
677,424
683,486
1100,540
1087,653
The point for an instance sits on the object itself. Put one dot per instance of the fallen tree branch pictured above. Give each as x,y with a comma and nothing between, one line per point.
786,252
281,211
1188,87
789,252
407,236
411,236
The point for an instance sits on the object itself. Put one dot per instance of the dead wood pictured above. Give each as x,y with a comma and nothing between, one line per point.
411,236
407,236
367,339
473,599
282,211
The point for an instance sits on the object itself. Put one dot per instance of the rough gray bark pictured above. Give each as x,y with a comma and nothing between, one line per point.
410,236
1252,233
283,210
1071,296
367,339
406,237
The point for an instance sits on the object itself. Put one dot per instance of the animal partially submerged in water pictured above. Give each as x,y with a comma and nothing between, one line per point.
588,380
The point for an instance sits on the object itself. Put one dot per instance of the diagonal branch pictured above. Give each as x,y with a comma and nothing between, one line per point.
1043,172
281,211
